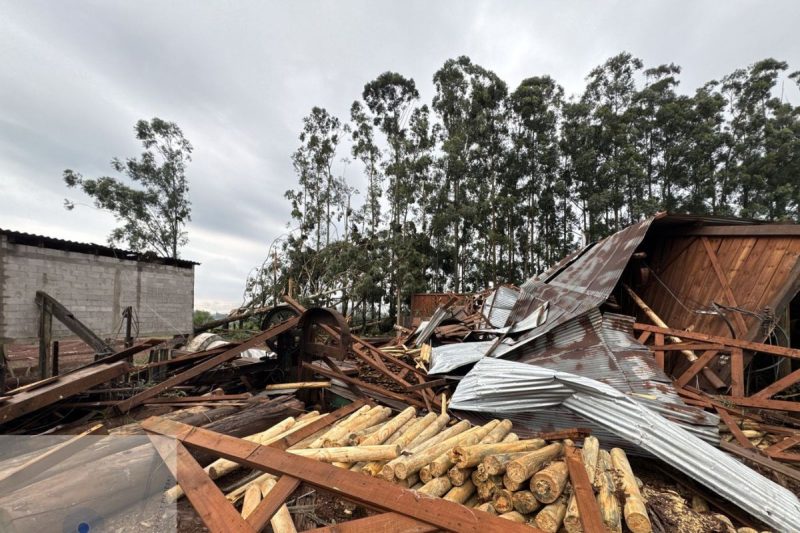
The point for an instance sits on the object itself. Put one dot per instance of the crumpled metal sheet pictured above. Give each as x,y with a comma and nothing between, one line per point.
448,357
582,283
430,326
503,388
498,305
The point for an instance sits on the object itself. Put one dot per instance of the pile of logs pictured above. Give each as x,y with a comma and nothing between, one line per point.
487,467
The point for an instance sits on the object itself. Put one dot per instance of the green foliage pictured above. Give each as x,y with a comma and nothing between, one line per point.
490,185
200,317
153,206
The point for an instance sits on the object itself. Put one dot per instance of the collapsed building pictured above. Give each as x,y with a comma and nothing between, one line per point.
672,342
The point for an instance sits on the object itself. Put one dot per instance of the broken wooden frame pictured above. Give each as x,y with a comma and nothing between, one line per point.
219,515
126,405
713,345
372,356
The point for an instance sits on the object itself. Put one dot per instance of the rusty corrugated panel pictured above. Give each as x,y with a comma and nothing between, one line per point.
583,284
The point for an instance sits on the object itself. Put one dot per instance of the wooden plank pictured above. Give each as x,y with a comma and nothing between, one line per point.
698,365
366,386
782,446
203,399
214,509
276,497
588,507
643,337
27,472
726,286
659,353
138,399
749,230
735,429
727,341
372,492
759,403
737,372
427,385
780,385
383,523
761,460
77,327
322,422
62,387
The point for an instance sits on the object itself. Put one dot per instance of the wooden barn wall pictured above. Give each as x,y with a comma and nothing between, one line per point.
758,268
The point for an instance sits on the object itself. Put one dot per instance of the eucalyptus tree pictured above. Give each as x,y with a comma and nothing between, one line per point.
152,205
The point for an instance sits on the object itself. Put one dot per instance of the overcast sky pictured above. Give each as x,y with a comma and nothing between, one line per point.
239,76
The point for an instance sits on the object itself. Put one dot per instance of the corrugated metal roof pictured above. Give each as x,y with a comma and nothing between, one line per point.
498,305
582,284
507,388
30,239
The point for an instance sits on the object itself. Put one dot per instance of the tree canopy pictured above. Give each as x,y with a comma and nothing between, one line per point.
489,184
152,204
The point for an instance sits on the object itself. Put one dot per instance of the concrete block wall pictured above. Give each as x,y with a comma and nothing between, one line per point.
95,288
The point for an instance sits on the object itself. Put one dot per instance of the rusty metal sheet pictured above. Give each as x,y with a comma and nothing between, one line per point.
581,284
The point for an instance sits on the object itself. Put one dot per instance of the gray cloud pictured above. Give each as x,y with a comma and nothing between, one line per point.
239,76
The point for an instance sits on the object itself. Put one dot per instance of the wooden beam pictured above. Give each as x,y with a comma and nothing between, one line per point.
365,386
588,508
201,399
737,372
214,509
726,286
759,403
727,341
357,487
65,316
782,446
659,352
735,429
322,422
748,230
761,460
59,388
698,365
138,399
779,386
276,497
427,385
383,523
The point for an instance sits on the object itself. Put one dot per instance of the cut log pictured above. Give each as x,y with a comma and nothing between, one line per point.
413,463
486,490
548,483
252,497
430,431
495,465
503,500
459,476
374,468
486,508
461,493
513,516
456,429
351,454
338,437
524,467
472,455
525,502
635,511
606,494
440,465
386,430
281,521
512,485
549,519
436,487
340,429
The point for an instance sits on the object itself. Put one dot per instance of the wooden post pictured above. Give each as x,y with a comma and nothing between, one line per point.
659,341
55,358
3,368
45,336
737,372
